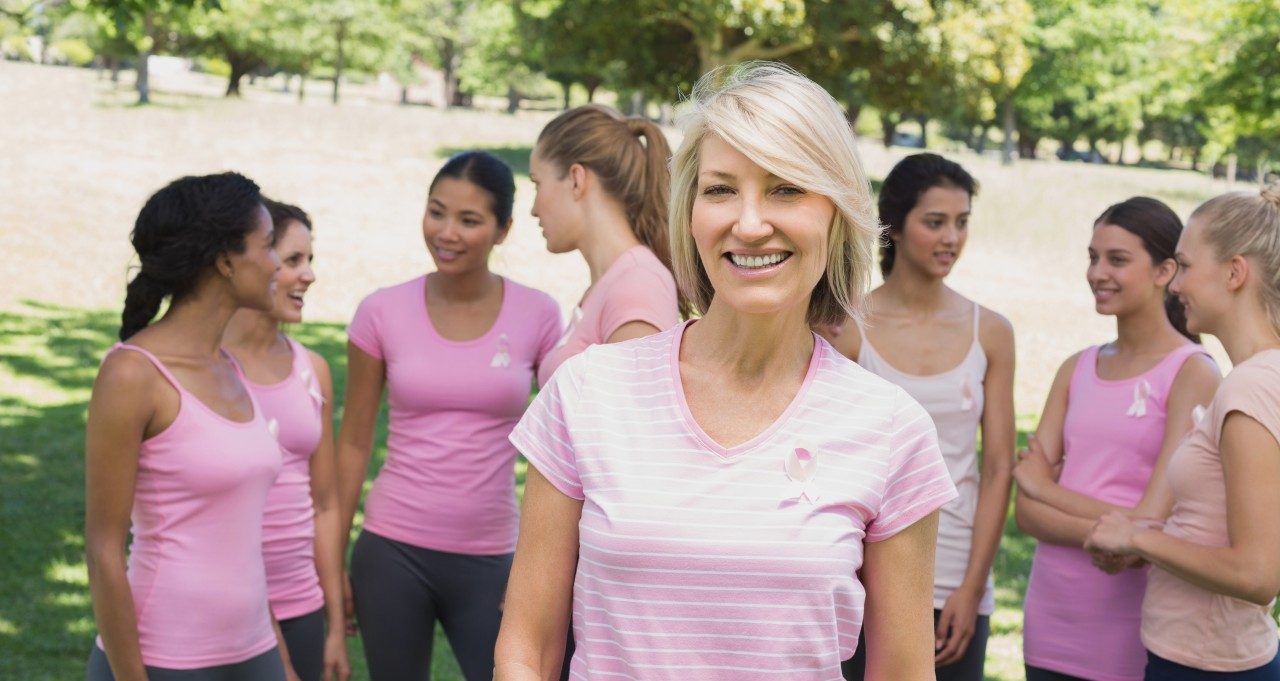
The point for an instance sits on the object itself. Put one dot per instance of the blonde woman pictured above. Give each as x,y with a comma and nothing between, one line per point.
1207,609
726,480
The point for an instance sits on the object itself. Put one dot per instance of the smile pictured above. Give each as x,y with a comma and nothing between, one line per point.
753,262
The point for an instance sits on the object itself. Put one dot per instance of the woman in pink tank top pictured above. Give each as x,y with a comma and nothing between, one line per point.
602,185
301,542
956,359
1113,416
456,351
1215,560
178,453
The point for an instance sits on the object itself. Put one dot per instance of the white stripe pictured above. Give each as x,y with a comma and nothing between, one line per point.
707,540
713,557
718,573
747,526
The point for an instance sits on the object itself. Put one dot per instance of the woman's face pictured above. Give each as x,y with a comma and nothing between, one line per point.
296,275
1121,274
934,231
554,204
1202,281
252,273
762,239
459,226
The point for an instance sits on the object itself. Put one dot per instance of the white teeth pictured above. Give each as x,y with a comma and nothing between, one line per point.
756,261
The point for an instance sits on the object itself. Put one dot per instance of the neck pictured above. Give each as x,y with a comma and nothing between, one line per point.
201,321
751,348
1145,330
466,287
252,331
1246,335
608,235
913,290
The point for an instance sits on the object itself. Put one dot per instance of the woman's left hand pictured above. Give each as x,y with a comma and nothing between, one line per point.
1033,471
956,625
336,665
1113,534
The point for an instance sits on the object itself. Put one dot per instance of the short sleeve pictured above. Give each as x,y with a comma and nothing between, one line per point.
917,482
551,328
640,295
1252,391
363,331
543,435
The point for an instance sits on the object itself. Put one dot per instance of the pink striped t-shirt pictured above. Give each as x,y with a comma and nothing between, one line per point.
701,562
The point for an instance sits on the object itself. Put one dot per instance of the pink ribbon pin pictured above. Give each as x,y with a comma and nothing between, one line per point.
1141,391
802,468
966,394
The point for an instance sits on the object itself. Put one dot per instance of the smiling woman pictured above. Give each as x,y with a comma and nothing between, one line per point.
720,513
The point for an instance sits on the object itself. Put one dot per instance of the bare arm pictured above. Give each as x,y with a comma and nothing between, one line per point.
113,437
540,590
898,576
957,622
632,330
1194,386
329,541
366,377
1033,519
1247,568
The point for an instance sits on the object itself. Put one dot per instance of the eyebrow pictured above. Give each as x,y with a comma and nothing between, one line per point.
945,214
722,175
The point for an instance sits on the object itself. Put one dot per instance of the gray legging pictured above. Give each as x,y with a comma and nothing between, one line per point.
304,636
264,667
401,591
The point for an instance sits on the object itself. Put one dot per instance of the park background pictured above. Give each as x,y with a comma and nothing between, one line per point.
347,108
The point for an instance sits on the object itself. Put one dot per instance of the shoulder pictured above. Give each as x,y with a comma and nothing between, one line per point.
993,325
319,364
394,293
1259,375
126,370
641,263
1198,369
532,298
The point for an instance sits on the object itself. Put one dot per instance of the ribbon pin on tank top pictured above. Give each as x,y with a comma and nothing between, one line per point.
801,467
1141,391
501,358
966,394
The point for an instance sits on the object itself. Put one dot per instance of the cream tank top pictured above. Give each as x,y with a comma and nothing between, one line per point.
954,399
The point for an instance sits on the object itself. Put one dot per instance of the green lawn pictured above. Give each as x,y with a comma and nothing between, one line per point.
48,358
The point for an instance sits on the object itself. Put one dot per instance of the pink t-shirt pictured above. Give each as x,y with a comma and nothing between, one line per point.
195,563
701,562
1078,620
448,483
293,408
1180,621
635,288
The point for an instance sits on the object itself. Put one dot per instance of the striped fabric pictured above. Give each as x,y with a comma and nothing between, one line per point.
701,562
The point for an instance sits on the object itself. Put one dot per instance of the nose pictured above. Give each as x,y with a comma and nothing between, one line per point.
752,224
308,275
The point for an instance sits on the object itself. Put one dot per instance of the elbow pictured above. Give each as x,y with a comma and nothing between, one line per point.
1262,587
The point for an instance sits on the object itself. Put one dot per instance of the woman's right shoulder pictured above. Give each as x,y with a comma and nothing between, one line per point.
395,291
126,371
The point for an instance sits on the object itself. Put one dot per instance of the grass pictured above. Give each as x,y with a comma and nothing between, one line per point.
49,355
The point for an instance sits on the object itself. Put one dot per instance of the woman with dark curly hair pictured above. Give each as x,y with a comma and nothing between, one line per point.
178,454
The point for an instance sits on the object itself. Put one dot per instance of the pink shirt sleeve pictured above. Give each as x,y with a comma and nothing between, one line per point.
543,436
917,483
640,296
1253,394
363,330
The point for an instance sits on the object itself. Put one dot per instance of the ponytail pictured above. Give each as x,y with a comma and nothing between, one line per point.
649,219
142,301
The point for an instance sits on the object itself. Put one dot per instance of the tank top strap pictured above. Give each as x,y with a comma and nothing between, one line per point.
305,371
1167,370
1086,366
977,314
155,361
865,349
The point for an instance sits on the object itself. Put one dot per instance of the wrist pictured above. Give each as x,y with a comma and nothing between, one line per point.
1140,542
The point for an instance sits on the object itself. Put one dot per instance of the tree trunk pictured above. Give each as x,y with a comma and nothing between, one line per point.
302,87
1232,166
1120,154
448,55
238,70
983,133
1010,122
591,85
888,127
114,63
513,99
1195,159
338,64
144,80
567,85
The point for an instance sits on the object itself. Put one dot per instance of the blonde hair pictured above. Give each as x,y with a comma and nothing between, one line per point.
791,127
629,156
1248,223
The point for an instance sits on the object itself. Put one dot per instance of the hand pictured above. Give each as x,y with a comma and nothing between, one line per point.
336,665
956,625
1112,534
348,604
1033,471
1114,563
290,675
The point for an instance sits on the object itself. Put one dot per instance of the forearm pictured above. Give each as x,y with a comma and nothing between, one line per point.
329,565
1076,504
1050,525
281,645
1220,569
113,611
988,528
353,465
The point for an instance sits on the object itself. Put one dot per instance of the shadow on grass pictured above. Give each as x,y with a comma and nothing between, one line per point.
516,156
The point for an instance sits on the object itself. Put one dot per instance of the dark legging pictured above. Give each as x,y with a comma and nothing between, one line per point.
265,667
402,590
967,668
1160,669
1038,674
304,636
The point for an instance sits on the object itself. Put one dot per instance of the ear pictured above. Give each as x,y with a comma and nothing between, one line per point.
503,231
223,263
895,235
1237,272
578,174
1165,272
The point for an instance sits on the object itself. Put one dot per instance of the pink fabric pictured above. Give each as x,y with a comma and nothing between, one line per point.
701,562
1182,622
289,522
448,483
195,564
636,288
1077,619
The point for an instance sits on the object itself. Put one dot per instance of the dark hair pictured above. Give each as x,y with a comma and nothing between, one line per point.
487,172
902,189
1159,228
179,233
282,214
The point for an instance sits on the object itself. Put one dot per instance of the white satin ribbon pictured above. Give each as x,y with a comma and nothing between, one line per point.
802,469
1141,391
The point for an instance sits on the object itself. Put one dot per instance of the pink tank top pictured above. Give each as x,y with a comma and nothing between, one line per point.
1079,620
293,407
195,563
954,400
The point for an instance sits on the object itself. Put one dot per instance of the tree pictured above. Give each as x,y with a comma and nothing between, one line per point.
149,25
